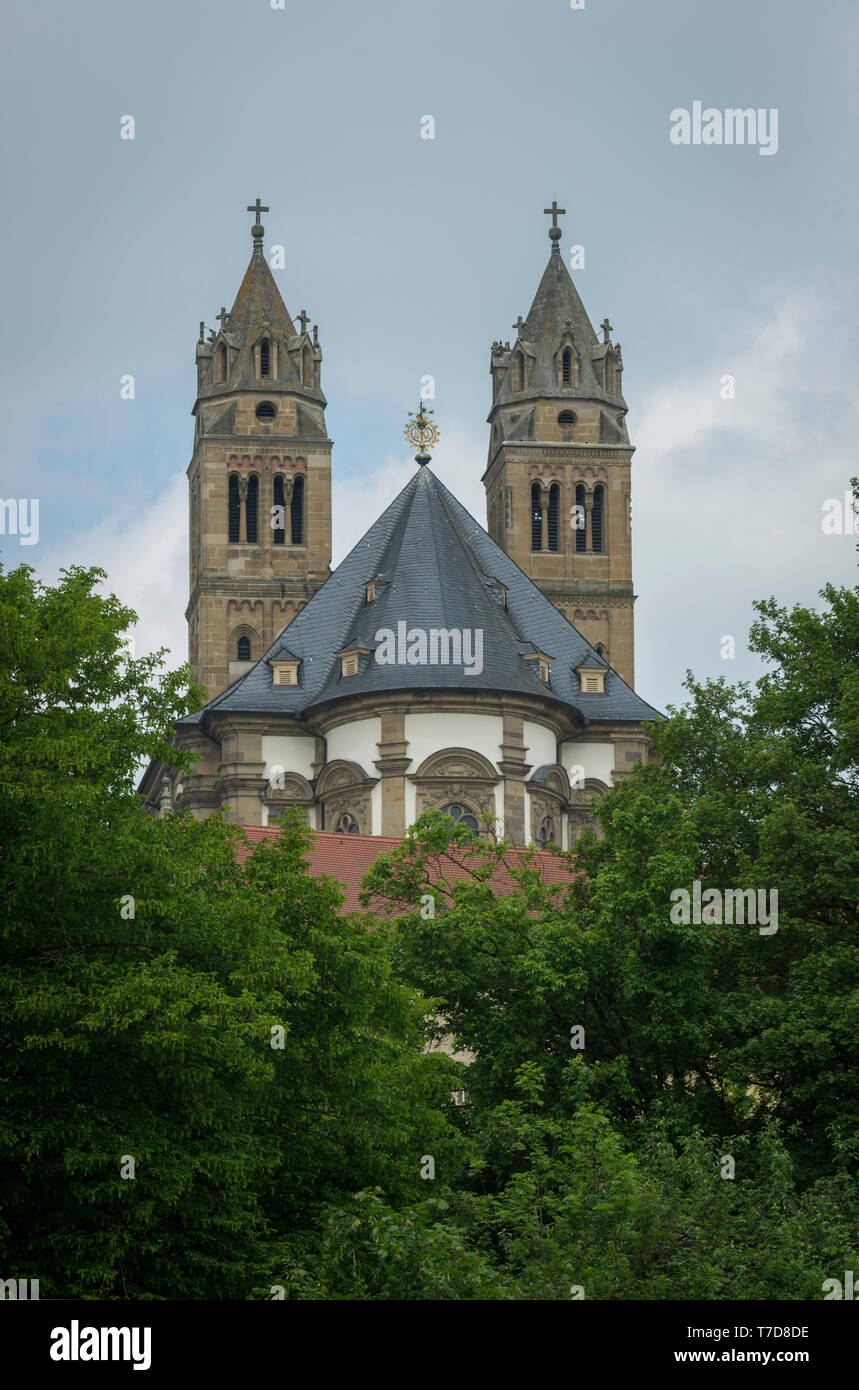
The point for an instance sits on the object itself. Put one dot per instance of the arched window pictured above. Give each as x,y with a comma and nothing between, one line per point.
234,509
461,815
580,517
346,825
296,512
597,517
554,507
567,367
518,372
536,517
221,363
243,649
265,357
600,650
546,834
252,510
279,518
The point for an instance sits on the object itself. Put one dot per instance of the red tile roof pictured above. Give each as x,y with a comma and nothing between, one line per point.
347,858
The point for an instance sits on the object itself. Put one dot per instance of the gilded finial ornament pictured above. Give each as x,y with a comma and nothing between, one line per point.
422,433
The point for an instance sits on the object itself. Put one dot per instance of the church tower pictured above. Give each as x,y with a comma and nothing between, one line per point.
259,478
558,478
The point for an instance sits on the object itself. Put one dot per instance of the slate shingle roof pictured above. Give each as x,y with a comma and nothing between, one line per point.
556,315
441,567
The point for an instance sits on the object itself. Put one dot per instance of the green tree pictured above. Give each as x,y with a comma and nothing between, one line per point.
148,977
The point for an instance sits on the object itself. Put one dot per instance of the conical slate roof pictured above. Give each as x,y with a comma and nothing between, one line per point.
558,317
259,303
434,567
557,303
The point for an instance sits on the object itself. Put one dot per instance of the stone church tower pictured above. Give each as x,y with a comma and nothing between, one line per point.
259,478
558,477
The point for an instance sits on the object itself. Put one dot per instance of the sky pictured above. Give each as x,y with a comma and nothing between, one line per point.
413,255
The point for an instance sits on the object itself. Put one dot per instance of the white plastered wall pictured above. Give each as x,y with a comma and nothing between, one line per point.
597,759
432,733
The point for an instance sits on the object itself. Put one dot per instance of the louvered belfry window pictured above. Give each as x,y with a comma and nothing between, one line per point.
280,519
264,357
554,505
296,512
252,510
536,518
580,519
597,519
235,509
243,649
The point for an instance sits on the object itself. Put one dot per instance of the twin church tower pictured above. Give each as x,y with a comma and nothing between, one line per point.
557,479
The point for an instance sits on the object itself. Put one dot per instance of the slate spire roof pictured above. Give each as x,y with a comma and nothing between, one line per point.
558,318
259,303
259,312
433,567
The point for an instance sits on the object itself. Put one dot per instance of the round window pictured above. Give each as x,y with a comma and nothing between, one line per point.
461,815
346,825
266,411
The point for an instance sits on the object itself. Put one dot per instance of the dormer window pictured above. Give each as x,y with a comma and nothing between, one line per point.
284,672
592,679
542,664
567,367
371,592
265,358
221,362
350,659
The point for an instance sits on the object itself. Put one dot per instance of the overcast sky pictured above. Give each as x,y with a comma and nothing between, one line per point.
413,255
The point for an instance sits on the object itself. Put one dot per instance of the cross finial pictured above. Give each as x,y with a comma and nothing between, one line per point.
257,208
222,317
304,316
606,330
519,324
555,212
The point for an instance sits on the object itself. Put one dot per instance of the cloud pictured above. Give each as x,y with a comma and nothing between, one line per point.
145,554
727,494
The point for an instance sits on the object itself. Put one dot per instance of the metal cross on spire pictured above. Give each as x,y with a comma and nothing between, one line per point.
554,231
257,208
